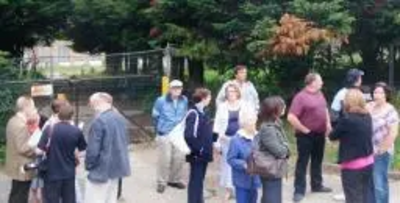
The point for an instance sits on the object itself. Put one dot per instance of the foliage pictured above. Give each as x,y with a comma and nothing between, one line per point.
25,23
109,26
295,36
8,93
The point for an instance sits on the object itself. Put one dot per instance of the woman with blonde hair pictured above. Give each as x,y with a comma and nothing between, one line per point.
354,133
226,124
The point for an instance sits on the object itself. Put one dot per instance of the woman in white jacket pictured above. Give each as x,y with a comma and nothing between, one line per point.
226,124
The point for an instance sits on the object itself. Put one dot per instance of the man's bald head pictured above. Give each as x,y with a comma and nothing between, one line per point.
102,96
101,101
24,104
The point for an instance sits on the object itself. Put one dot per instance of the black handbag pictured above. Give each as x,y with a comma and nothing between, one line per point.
264,165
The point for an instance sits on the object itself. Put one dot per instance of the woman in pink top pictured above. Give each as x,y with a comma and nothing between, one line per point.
354,132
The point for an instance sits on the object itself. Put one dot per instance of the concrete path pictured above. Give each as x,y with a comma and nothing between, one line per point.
140,187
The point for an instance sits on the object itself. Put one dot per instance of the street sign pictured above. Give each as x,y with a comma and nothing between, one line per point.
42,90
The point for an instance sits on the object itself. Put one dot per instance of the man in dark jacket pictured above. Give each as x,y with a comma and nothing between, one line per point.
107,157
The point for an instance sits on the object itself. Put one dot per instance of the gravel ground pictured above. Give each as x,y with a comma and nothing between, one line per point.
140,187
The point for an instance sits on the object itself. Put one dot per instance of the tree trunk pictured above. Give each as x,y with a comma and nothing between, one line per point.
196,74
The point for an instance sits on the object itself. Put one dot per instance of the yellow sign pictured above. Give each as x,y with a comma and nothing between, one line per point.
62,96
164,85
42,90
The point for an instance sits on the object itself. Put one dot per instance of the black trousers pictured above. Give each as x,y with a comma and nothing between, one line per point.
358,185
272,190
196,181
309,147
119,193
59,191
19,191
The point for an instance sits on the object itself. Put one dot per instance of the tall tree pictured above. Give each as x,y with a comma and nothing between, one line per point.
25,23
212,32
110,26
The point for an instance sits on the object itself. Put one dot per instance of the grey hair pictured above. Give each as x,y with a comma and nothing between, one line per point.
247,116
102,96
24,102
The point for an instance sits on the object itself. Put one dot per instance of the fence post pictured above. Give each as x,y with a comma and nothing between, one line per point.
391,64
167,61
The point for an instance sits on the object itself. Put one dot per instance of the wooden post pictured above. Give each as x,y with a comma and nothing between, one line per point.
391,64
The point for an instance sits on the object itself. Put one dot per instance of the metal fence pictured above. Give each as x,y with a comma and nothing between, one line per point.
133,79
133,97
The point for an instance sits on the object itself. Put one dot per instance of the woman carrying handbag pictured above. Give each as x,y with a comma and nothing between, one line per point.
199,137
271,151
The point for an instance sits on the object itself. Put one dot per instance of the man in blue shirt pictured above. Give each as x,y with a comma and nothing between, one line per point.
107,156
168,111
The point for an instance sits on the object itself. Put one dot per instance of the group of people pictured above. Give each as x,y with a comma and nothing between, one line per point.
42,156
366,131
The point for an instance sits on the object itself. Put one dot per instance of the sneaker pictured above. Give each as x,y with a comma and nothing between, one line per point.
160,189
322,190
339,197
180,186
298,197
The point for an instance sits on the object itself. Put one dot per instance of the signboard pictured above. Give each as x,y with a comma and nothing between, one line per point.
42,90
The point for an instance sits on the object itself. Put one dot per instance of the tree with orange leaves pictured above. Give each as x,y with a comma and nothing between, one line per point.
295,36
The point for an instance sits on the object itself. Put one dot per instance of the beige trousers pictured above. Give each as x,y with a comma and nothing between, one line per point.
170,162
101,192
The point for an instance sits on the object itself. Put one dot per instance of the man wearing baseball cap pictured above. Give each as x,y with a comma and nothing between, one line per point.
353,80
168,111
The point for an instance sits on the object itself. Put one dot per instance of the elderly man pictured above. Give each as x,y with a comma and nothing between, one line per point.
168,111
107,156
18,151
309,116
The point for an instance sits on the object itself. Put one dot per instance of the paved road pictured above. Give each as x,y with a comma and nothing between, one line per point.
140,187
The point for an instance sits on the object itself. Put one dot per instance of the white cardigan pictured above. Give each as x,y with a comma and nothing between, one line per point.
222,116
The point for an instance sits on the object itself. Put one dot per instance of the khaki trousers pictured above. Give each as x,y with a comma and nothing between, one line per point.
170,162
101,192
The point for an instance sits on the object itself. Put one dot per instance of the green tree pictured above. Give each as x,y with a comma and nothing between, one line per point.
109,26
25,23
213,33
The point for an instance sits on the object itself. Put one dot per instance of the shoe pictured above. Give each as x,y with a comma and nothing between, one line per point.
160,189
298,197
339,197
323,190
180,186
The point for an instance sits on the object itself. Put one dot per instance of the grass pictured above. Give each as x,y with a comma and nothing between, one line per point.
74,71
331,149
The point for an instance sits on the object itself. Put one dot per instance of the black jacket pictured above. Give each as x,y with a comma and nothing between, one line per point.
200,140
354,132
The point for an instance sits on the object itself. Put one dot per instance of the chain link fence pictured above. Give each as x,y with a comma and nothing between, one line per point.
133,79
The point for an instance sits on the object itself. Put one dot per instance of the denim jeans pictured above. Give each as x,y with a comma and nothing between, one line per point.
244,195
198,171
381,169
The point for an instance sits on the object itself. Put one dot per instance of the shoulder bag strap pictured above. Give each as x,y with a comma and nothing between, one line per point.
50,135
196,123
